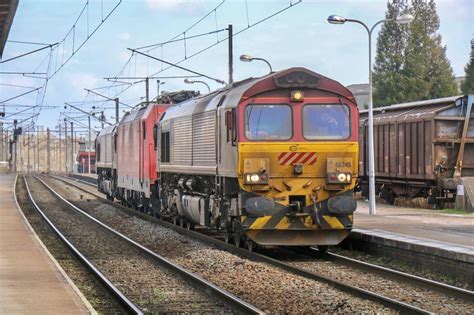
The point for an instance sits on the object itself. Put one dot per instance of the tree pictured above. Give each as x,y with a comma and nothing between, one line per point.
389,60
467,87
427,68
422,69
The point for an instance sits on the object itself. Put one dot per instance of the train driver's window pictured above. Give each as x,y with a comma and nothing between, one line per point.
268,122
326,121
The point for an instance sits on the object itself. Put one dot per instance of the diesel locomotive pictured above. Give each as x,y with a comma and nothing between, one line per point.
270,160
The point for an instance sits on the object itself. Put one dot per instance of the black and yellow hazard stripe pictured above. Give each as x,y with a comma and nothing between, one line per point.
280,221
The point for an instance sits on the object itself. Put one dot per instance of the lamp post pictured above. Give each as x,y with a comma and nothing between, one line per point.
187,81
248,58
403,19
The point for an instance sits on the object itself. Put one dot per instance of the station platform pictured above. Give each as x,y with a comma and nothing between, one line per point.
422,235
31,281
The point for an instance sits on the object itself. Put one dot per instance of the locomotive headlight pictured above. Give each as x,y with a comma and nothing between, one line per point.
297,96
254,178
341,177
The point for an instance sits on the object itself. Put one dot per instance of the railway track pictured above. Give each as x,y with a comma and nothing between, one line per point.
214,299
302,269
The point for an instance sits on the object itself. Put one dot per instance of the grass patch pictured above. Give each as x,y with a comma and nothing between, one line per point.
456,211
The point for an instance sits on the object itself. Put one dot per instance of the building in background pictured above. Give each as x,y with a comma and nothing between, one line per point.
361,92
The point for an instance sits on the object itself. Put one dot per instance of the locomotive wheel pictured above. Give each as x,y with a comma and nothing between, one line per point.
227,236
251,245
323,249
237,240
189,226
182,222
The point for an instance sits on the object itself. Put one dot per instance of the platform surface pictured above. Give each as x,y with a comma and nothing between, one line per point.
421,223
30,281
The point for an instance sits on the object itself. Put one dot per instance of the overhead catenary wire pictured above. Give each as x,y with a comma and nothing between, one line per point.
53,64
28,53
289,6
179,67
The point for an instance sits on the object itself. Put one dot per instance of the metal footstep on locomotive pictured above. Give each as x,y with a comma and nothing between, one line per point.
216,299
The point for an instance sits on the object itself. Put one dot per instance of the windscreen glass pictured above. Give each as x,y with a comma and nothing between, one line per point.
268,122
326,122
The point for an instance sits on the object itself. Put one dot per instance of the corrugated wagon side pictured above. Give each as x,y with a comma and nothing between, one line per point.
421,148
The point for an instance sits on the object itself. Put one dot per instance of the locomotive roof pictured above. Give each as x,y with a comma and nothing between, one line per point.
246,88
106,131
137,113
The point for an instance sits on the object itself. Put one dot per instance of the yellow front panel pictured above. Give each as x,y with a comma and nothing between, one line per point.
277,159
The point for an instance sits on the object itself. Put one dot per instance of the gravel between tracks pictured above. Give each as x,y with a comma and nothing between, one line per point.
153,288
268,288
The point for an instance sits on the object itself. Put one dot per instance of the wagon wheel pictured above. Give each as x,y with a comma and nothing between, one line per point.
391,198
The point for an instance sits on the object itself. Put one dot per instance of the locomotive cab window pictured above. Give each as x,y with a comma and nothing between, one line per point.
155,137
326,122
268,122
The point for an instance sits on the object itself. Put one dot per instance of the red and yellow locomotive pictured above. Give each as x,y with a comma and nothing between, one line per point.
270,160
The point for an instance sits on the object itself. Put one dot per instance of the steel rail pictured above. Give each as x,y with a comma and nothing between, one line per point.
419,281
444,288
362,293
239,305
115,292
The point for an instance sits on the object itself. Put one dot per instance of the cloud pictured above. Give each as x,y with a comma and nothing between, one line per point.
83,80
186,6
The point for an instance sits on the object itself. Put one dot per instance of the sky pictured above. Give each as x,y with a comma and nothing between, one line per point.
297,36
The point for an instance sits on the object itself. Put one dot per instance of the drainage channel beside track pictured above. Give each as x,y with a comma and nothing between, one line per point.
403,292
143,281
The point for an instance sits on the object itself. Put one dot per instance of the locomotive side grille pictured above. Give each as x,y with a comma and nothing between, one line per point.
204,138
182,141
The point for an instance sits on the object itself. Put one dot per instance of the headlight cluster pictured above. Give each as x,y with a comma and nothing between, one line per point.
339,178
256,179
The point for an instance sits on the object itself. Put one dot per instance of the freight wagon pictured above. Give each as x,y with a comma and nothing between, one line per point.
422,149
